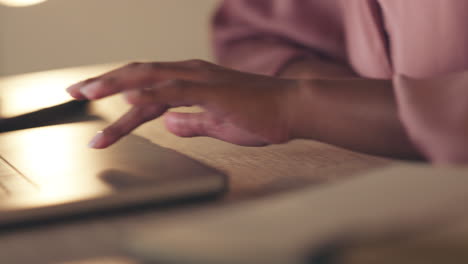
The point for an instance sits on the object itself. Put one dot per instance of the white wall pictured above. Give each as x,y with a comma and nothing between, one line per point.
63,33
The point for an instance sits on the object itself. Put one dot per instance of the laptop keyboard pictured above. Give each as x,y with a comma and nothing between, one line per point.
12,182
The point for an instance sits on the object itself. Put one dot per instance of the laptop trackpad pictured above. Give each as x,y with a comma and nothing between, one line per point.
121,180
67,172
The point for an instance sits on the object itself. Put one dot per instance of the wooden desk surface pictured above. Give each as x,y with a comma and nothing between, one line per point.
253,173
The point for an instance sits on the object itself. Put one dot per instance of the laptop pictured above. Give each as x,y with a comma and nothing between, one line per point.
48,171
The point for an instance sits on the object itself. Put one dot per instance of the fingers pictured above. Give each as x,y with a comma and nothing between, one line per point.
128,122
173,93
138,76
74,90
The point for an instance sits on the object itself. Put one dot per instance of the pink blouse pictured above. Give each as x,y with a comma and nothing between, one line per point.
422,45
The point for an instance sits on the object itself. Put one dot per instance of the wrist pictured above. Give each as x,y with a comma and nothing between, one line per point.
302,108
300,68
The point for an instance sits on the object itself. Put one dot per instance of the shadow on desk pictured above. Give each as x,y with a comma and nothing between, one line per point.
69,112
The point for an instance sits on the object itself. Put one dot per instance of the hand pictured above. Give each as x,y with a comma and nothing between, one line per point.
240,108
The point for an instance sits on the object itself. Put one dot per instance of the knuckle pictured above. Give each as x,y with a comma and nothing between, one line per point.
197,63
154,65
203,69
134,64
150,95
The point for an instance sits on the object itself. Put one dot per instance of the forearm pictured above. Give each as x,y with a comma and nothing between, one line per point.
358,114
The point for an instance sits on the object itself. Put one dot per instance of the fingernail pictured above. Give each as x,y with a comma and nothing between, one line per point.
97,142
69,89
90,90
75,93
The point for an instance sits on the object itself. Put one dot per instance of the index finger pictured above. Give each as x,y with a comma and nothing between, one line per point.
132,76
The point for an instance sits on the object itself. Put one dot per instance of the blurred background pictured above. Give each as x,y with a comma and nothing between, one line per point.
64,33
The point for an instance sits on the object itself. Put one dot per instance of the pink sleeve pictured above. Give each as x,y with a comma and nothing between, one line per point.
261,36
435,114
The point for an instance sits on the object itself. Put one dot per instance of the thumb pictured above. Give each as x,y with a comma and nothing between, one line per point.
191,124
209,125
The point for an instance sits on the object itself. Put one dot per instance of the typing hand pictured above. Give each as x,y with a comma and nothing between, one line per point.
240,108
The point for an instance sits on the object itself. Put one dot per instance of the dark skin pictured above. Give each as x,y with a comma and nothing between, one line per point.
352,112
312,99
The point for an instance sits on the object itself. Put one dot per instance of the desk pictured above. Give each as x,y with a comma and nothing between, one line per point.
253,173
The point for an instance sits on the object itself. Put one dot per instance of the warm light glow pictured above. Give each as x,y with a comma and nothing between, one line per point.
18,3
36,92
52,160
62,157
